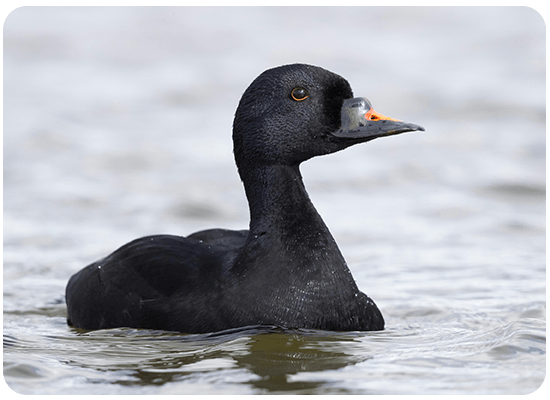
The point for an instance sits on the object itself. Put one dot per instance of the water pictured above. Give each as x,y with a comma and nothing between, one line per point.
117,125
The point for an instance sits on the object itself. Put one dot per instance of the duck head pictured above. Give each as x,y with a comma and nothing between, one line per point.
294,112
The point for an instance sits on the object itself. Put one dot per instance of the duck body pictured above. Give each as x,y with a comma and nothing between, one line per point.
286,270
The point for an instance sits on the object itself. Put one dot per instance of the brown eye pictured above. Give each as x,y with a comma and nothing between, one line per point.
299,94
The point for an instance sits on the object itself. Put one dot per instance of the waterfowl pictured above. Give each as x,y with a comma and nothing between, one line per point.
286,270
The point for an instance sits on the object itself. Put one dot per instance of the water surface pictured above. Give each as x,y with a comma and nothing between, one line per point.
117,124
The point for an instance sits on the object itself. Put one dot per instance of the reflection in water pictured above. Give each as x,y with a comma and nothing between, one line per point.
276,356
265,356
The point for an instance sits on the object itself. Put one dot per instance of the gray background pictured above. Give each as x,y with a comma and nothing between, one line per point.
117,124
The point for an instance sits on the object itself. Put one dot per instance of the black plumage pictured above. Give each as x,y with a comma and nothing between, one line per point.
286,269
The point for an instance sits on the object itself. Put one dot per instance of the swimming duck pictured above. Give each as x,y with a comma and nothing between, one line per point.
286,270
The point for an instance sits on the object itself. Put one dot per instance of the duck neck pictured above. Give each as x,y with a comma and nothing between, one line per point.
287,236
279,202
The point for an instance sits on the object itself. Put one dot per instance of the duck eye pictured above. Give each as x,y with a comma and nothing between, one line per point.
299,94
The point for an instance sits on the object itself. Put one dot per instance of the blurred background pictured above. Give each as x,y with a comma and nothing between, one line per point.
117,124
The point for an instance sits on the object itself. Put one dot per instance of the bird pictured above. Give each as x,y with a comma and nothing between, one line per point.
286,270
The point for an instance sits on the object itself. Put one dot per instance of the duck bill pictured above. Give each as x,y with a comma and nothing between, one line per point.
362,123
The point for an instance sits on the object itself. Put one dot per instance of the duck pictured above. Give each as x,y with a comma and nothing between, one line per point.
286,270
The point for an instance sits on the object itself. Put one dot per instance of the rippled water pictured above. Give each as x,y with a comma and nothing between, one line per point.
117,125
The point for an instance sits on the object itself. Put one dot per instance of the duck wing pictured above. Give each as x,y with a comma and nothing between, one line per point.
222,238
119,289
